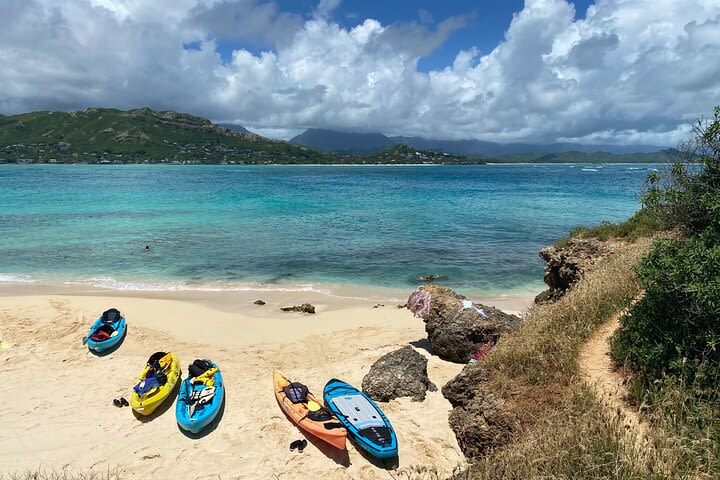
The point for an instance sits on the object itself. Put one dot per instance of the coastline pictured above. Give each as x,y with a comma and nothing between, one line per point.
67,416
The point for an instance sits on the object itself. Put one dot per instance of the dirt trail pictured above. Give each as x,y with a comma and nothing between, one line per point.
597,370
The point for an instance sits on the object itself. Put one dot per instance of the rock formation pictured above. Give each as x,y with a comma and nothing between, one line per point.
567,265
304,308
401,373
456,326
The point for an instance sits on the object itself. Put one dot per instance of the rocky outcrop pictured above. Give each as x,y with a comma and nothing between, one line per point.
456,326
482,424
401,373
567,265
304,308
259,302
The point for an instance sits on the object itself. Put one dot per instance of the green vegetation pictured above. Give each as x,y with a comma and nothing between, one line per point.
101,135
645,223
668,344
671,337
581,157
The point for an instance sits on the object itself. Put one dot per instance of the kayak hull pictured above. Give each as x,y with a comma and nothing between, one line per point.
207,413
149,402
297,413
120,326
366,424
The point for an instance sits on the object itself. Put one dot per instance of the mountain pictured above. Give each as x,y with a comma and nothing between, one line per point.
141,135
343,142
363,143
234,128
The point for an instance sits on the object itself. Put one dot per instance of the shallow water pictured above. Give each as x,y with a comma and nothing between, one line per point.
299,227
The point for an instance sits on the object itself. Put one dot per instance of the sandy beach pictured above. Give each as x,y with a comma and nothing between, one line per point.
61,413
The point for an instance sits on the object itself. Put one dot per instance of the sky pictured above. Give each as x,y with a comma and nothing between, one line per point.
625,72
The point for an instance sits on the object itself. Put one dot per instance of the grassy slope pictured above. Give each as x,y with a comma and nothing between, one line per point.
135,132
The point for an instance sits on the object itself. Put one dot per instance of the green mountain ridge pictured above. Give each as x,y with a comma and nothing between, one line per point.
115,136
143,135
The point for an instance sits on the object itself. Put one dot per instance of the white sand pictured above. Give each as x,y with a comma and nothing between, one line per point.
56,408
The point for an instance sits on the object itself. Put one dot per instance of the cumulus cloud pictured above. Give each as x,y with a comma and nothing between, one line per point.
628,72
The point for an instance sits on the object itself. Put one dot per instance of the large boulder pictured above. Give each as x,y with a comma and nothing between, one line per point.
567,265
455,326
401,373
482,425
304,308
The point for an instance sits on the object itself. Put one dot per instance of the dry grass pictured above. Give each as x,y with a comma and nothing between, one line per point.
64,474
544,350
566,432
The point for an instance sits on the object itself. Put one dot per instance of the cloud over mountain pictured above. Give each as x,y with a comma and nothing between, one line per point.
626,72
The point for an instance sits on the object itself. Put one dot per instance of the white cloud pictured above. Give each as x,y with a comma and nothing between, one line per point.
629,72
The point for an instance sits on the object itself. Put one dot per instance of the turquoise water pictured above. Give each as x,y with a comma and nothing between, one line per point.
304,227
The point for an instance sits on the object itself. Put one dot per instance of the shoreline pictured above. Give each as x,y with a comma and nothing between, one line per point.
67,416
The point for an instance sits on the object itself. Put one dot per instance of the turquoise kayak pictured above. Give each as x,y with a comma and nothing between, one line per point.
201,396
107,331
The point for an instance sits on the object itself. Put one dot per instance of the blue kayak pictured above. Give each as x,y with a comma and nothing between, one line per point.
201,396
107,331
366,424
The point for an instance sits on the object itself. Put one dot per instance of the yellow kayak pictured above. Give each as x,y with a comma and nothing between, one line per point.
157,380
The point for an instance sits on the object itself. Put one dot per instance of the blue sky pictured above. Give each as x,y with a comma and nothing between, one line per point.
624,72
487,21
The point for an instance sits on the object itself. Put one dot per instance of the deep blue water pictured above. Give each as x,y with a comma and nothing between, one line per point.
234,226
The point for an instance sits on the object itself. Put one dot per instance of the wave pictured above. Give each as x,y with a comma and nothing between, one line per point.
590,169
112,283
15,278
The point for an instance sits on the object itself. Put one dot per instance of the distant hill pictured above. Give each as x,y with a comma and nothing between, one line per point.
405,154
234,128
582,157
342,142
108,135
363,143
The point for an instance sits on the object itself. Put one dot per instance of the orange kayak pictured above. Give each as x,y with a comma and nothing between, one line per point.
302,413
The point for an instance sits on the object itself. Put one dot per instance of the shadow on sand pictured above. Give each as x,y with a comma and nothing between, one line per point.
164,406
210,426
338,456
110,350
423,344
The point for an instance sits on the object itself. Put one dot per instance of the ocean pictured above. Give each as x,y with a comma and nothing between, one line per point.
322,228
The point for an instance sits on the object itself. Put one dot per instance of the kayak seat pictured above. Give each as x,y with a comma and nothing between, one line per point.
111,316
296,392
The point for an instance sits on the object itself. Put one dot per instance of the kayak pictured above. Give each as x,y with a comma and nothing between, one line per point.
364,421
156,382
201,395
305,411
107,331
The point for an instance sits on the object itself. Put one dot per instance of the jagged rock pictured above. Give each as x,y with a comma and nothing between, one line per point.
430,278
402,373
463,388
567,265
259,302
304,308
455,332
402,305
482,424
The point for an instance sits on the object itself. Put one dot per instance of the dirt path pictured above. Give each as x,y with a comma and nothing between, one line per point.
597,370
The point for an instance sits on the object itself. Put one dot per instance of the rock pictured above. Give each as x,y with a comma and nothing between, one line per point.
482,425
379,305
304,308
462,389
259,302
402,305
455,332
567,265
401,373
430,278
